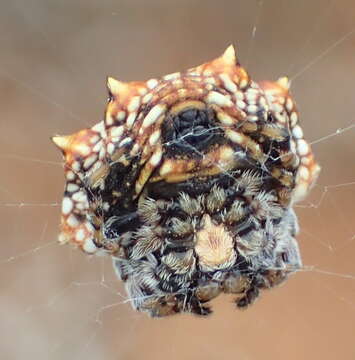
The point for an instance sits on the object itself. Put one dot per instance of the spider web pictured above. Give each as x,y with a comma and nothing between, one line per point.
58,303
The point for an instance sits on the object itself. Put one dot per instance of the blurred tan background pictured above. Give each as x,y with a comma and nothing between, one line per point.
56,303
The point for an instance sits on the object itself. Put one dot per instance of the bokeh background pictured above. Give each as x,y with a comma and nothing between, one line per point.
55,302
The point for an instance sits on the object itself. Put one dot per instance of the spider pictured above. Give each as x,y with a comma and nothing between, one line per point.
189,183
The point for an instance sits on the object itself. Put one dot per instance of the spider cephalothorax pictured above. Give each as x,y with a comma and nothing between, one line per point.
189,183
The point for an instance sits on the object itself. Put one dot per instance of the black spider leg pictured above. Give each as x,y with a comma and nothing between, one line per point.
190,303
250,296
253,291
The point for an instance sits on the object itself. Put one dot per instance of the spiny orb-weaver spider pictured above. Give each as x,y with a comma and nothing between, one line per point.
188,183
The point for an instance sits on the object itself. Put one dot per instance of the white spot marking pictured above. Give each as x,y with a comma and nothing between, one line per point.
293,146
154,137
125,141
67,206
300,192
289,104
72,187
79,196
152,83
72,221
253,118
234,136
303,147
102,152
216,98
115,139
277,107
252,109
80,235
225,119
89,246
117,131
84,150
130,119
182,92
297,132
81,206
147,98
178,83
96,166
294,118
263,103
62,239
133,104
280,118
121,115
253,90
239,95
241,104
89,161
153,115
228,83
210,80
100,127
155,159
70,175
108,119
304,173
76,166
135,149
172,76
90,227
94,139
97,147
270,98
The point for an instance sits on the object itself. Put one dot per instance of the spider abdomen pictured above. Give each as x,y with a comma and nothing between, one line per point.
188,183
